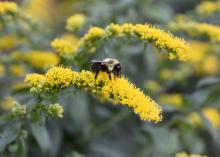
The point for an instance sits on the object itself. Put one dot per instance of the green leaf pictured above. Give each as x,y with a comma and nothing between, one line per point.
9,134
41,135
21,148
207,81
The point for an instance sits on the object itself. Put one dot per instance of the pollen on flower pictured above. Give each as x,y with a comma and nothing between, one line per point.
63,47
118,91
8,7
41,59
94,33
195,29
208,7
75,22
35,79
59,77
177,48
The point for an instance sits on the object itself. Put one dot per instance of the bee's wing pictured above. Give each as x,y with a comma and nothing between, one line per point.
95,61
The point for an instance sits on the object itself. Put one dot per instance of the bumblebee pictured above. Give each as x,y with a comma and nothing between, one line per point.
108,65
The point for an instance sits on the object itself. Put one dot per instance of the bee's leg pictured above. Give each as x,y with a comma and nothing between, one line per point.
96,74
109,75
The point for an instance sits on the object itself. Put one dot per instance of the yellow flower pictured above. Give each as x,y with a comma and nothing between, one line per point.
197,52
19,85
7,103
17,70
212,116
7,42
75,22
94,33
71,38
195,29
8,7
41,59
208,7
2,70
209,66
195,119
118,90
63,47
183,154
55,110
39,10
35,79
59,77
174,99
177,48
152,86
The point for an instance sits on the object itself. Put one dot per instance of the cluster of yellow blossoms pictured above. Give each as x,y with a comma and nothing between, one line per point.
183,154
208,7
38,59
8,8
195,29
75,22
176,47
118,90
211,114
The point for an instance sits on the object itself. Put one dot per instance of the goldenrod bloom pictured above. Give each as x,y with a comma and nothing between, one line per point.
41,59
2,70
64,47
118,90
208,7
174,99
94,33
75,22
183,154
209,66
8,8
59,77
176,47
7,42
213,116
19,85
195,29
197,52
210,113
7,103
40,10
35,79
17,70
153,86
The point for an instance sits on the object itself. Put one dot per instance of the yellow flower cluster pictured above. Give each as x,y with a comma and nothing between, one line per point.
118,90
174,99
17,70
75,22
7,42
37,59
195,29
209,66
41,59
8,8
39,9
2,70
211,114
198,51
183,154
177,48
208,7
35,80
7,103
64,47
